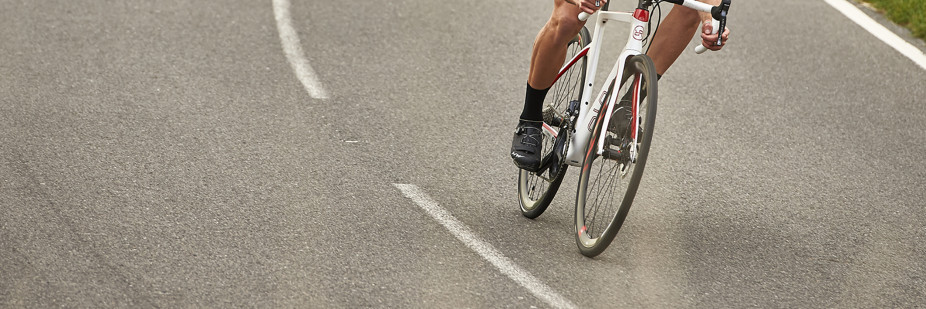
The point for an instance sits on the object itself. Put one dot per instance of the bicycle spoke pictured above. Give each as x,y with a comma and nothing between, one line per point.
602,200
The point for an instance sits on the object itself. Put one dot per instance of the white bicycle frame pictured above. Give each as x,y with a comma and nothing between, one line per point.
589,113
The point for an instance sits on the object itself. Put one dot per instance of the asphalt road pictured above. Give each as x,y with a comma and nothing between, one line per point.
163,153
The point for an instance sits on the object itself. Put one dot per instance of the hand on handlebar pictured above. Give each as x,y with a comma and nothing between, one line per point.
588,6
709,40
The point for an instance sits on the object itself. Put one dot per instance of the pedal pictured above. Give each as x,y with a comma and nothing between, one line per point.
559,154
617,149
612,154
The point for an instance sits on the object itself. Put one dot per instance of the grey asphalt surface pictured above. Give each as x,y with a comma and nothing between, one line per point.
163,154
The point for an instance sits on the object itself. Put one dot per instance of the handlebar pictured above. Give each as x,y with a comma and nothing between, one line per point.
584,16
700,49
718,13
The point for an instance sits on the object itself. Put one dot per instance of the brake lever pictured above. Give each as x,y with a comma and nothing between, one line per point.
718,24
720,13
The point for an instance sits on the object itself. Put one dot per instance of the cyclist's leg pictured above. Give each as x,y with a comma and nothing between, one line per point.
547,56
550,45
675,32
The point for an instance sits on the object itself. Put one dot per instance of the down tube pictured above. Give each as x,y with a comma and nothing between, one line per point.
588,114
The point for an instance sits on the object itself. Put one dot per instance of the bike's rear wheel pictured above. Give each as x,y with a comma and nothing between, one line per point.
609,180
536,190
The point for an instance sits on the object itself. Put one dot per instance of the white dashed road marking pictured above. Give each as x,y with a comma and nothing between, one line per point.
293,50
483,248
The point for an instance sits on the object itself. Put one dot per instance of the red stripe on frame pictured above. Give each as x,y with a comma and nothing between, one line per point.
633,104
549,129
594,140
571,62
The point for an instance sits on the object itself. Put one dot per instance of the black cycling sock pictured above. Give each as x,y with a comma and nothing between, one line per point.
533,103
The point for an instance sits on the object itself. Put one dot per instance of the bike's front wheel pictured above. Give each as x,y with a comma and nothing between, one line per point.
609,179
536,190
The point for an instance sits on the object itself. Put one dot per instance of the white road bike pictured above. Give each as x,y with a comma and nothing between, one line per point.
608,137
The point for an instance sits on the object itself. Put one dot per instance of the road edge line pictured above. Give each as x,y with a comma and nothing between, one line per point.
879,31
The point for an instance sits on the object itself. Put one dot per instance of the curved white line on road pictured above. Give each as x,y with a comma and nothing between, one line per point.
503,263
293,50
879,31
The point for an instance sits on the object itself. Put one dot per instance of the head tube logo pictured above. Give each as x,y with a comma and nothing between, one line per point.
638,33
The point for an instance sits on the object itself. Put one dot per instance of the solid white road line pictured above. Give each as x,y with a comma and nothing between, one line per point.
293,50
483,248
879,31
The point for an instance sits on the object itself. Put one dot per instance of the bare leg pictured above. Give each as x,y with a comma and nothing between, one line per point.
673,36
550,45
546,59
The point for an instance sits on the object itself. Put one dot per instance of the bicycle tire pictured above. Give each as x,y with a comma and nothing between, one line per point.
536,192
609,182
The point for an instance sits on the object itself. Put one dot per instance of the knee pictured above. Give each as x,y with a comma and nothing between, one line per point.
565,24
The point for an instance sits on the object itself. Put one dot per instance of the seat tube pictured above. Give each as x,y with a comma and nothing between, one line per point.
575,154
